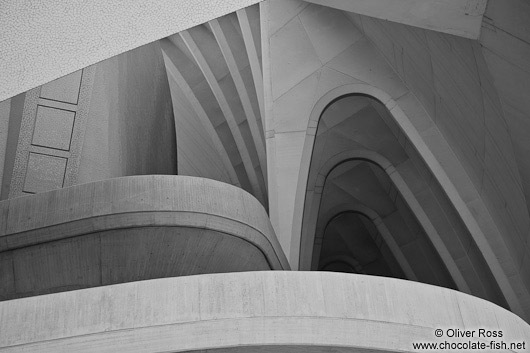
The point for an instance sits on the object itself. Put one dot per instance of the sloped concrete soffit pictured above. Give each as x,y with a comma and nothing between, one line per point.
459,17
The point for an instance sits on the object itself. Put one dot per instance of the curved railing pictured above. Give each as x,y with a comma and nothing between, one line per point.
129,229
255,311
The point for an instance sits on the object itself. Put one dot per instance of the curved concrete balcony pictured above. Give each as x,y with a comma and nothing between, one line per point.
129,229
279,311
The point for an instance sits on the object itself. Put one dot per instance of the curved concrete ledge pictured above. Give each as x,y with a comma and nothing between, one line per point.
130,229
265,311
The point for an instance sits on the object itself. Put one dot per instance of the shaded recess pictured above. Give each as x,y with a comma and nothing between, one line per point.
362,163
130,229
351,243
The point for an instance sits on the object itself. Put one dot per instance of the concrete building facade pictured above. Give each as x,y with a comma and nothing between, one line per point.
255,176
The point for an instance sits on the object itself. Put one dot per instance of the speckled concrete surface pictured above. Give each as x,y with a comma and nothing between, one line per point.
42,41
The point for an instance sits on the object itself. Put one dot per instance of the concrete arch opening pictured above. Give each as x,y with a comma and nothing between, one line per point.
390,235
358,142
352,243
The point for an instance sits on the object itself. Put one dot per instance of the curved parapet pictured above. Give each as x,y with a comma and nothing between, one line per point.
259,311
130,229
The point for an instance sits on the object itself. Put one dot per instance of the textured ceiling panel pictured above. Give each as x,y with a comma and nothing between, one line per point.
42,41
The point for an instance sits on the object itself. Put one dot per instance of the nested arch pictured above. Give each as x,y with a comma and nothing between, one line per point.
305,160
352,265
492,286
388,250
323,206
378,223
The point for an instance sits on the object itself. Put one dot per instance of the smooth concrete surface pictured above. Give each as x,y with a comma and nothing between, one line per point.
338,312
42,42
458,17
130,126
130,229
